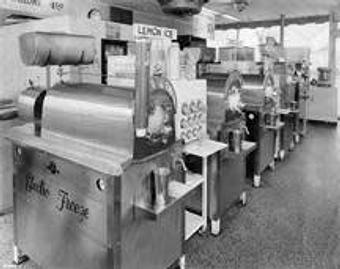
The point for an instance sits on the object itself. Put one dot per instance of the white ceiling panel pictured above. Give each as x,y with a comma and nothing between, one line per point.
260,10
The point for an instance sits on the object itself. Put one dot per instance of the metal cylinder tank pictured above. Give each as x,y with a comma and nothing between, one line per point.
40,48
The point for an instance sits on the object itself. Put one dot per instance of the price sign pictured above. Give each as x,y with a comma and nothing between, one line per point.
35,7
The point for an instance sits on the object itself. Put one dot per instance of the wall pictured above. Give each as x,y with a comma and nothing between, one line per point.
314,36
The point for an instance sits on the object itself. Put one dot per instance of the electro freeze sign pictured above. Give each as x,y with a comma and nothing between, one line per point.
36,7
151,31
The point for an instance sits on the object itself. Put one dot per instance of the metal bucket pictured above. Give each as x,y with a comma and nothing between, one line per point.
235,141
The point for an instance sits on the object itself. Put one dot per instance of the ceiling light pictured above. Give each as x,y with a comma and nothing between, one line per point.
182,7
229,17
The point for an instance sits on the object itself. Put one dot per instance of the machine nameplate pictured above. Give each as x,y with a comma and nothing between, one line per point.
66,203
64,199
32,185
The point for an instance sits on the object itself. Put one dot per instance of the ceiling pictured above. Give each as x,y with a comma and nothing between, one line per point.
261,10
258,10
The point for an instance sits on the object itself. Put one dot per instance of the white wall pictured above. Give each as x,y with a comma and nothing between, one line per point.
314,36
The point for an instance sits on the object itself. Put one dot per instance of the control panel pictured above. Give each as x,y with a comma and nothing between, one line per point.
191,117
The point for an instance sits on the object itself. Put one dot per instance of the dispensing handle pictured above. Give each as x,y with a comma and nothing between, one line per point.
245,128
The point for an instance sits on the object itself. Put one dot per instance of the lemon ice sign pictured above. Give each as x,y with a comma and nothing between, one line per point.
150,31
36,7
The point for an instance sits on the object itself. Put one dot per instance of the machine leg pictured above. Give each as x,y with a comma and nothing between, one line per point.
202,230
257,181
272,165
243,198
215,227
18,257
276,155
181,262
282,154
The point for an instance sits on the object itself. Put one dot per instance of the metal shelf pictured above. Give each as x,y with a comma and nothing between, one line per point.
177,192
193,223
277,127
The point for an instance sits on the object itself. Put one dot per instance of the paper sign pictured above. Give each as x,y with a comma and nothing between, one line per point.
150,31
36,7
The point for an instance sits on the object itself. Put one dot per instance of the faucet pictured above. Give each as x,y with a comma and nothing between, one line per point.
181,162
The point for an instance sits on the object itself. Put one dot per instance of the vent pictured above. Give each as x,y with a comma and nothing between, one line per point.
182,7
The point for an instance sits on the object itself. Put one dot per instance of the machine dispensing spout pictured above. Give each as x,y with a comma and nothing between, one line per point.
181,162
143,48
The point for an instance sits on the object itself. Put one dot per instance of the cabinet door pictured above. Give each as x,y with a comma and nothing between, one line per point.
323,104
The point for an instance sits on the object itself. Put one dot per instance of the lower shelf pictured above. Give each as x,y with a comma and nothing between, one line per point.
193,223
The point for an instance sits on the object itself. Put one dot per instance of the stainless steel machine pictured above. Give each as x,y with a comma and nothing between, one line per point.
288,111
96,184
261,119
226,171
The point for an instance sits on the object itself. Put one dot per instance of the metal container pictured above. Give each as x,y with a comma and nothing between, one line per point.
271,119
159,186
235,141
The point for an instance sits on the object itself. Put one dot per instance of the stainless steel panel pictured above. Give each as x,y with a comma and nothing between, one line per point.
147,243
6,166
64,218
60,213
89,114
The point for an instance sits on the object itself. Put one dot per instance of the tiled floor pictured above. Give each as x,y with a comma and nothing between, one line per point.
291,222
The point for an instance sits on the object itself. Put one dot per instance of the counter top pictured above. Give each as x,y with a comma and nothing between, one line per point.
247,148
287,111
204,147
277,127
95,156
